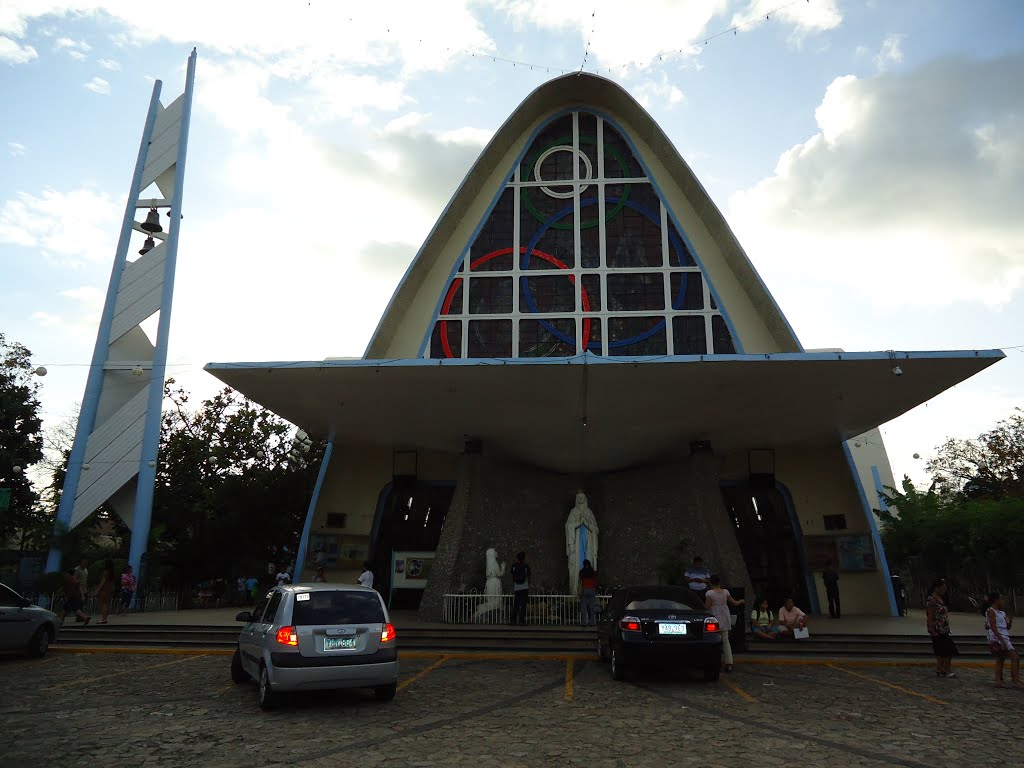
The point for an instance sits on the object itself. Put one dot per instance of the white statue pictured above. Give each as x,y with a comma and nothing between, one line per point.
580,540
492,589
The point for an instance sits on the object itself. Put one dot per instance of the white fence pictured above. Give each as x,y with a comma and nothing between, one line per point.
151,601
541,609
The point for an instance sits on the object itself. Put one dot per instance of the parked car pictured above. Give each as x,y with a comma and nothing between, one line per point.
24,626
306,637
658,625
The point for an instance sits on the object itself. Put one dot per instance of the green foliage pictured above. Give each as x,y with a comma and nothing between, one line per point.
972,541
991,465
231,484
21,441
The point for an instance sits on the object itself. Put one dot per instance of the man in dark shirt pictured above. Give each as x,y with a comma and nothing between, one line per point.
831,579
520,588
72,598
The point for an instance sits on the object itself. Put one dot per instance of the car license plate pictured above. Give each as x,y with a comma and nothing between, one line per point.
671,629
338,643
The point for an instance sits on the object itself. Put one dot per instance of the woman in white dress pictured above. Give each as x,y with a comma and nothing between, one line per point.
997,630
717,600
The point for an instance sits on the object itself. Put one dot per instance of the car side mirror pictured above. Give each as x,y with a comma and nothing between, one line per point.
244,616
25,602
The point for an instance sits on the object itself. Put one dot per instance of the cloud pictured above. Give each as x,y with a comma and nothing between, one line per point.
15,149
14,53
98,85
81,225
109,64
806,18
76,49
658,91
891,52
912,180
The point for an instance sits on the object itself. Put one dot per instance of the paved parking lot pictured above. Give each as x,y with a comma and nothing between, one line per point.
109,710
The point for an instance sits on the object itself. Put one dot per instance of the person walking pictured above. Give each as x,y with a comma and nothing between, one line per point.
831,578
997,631
938,627
588,595
520,588
72,599
717,600
128,585
105,593
366,577
698,577
82,574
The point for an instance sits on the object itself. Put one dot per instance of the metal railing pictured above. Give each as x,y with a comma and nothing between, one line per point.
541,609
150,601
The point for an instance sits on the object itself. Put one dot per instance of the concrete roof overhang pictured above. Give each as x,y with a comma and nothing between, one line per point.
590,413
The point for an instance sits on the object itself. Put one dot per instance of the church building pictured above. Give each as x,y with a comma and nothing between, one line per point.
582,318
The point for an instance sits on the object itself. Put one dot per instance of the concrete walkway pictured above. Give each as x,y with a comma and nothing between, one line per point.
962,624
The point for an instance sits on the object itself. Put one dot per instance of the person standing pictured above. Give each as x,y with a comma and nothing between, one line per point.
698,577
520,588
105,593
282,577
366,577
82,574
997,631
72,599
128,585
251,585
831,579
588,595
717,600
240,587
938,627
319,577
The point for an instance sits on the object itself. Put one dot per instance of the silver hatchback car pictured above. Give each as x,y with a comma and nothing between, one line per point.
24,626
306,637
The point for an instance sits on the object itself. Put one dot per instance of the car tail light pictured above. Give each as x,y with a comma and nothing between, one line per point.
388,633
629,623
287,636
712,625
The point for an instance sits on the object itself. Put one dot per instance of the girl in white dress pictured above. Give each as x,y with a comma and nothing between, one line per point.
997,630
717,600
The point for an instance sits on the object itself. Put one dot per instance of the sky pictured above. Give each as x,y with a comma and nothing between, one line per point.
869,155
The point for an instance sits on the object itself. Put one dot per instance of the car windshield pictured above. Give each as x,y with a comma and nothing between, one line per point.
337,607
675,600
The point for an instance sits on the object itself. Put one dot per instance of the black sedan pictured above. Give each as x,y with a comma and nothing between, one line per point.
658,625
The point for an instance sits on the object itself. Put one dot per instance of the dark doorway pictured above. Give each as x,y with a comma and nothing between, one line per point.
409,518
772,549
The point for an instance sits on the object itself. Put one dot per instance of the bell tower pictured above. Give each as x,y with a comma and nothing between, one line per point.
114,455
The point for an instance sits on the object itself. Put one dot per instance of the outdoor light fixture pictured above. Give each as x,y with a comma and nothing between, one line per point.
40,371
152,222
897,371
137,370
151,463
147,246
86,467
917,455
260,454
16,469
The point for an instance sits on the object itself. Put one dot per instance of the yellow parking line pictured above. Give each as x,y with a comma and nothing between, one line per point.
900,688
738,691
119,674
568,679
406,683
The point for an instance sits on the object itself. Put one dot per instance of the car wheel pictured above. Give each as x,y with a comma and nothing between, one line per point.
267,697
40,643
712,673
385,692
238,674
618,666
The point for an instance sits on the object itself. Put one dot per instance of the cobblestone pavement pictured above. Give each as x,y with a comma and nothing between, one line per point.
107,710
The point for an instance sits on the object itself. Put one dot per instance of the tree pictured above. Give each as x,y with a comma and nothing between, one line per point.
21,442
989,466
232,484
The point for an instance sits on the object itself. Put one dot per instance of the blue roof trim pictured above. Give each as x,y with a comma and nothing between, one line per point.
590,358
737,342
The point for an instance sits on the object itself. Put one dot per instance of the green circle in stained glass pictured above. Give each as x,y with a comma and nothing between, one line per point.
567,141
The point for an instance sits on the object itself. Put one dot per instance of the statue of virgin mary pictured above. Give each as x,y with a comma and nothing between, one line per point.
580,540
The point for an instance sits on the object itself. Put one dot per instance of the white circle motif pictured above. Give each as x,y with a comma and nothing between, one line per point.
588,172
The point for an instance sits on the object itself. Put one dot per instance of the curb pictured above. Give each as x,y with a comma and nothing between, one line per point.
484,656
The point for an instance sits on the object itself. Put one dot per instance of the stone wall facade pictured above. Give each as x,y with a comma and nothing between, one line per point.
642,513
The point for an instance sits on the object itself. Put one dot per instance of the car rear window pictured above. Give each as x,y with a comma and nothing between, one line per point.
676,600
338,607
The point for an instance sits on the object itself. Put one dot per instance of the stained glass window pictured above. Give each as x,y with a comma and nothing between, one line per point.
579,253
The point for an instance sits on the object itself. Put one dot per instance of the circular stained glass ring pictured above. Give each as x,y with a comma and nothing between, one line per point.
608,216
454,287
